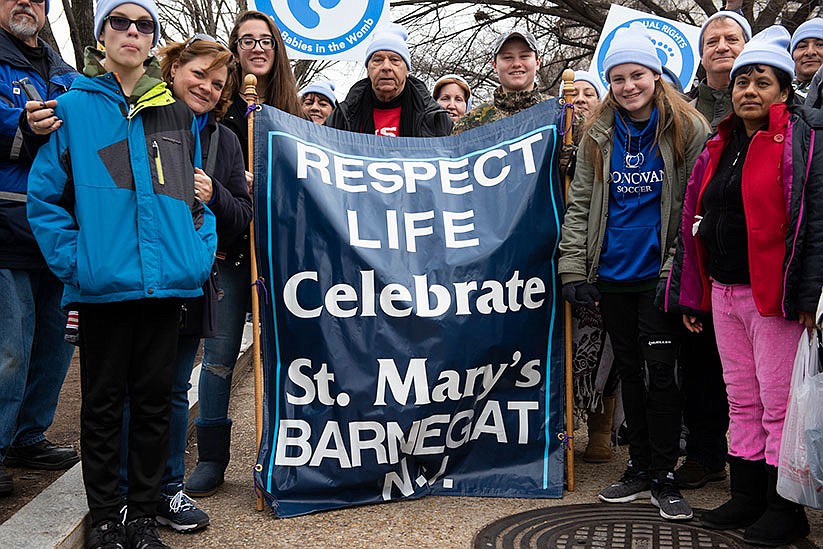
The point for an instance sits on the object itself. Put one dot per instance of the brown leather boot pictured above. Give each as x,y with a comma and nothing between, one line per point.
599,449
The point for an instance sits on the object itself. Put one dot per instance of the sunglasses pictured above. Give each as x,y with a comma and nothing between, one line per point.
202,37
143,26
249,43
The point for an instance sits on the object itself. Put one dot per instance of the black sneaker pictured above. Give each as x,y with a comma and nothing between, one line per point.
43,455
6,483
693,474
634,484
667,498
142,534
108,534
180,512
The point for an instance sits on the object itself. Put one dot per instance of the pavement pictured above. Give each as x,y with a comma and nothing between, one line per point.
57,517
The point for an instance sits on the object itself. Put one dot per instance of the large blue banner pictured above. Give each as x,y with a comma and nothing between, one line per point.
412,331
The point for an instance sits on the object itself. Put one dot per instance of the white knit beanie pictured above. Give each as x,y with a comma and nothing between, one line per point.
105,7
768,47
392,37
632,44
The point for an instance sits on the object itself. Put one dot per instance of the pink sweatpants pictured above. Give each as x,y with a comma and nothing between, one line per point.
758,355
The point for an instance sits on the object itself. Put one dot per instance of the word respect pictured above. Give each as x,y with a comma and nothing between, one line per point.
454,176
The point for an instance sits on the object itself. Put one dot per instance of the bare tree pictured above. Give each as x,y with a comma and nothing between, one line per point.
80,19
183,18
457,36
448,36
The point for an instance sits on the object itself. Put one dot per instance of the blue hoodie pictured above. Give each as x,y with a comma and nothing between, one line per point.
631,244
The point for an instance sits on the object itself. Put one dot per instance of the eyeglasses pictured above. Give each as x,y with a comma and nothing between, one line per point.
202,37
249,43
143,26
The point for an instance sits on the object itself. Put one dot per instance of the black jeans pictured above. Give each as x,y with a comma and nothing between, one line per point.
706,412
126,347
645,342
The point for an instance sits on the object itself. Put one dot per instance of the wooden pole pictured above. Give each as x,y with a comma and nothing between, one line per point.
568,122
250,93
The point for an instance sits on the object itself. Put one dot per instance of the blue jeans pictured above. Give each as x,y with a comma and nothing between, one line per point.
178,421
220,352
34,357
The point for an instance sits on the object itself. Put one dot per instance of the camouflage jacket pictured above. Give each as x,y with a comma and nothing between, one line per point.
503,105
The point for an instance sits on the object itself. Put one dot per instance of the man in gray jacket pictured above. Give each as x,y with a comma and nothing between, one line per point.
722,37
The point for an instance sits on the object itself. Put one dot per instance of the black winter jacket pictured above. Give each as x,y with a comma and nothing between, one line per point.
803,265
430,120
230,203
18,147
235,119
232,209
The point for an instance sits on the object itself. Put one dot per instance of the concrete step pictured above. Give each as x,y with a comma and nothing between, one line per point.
58,516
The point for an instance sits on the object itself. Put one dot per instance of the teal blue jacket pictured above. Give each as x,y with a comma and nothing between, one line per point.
111,195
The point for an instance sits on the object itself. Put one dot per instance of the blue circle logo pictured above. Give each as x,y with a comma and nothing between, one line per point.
314,29
673,49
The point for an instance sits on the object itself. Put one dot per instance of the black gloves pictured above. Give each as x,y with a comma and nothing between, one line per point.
581,294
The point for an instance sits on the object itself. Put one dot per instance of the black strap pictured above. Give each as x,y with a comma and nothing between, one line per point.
211,159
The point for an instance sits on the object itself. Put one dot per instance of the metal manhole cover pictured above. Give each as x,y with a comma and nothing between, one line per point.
604,526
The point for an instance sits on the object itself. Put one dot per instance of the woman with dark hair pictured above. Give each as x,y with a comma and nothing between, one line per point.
318,100
200,73
256,43
617,242
751,254
259,50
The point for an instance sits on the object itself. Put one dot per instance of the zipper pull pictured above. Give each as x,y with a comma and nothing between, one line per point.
155,149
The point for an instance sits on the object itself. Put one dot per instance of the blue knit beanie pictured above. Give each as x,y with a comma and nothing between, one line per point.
105,7
734,16
671,79
321,87
813,28
768,47
454,79
632,44
392,37
586,76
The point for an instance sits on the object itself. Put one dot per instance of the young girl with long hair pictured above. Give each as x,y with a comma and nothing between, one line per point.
617,243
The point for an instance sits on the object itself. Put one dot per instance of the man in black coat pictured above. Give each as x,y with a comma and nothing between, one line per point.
390,102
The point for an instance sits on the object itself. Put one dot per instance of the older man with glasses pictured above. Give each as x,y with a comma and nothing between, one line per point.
34,357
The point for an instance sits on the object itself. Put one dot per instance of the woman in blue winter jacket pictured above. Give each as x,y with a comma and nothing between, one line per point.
113,208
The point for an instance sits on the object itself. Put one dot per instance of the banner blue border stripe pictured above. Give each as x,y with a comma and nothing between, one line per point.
551,127
274,321
552,317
